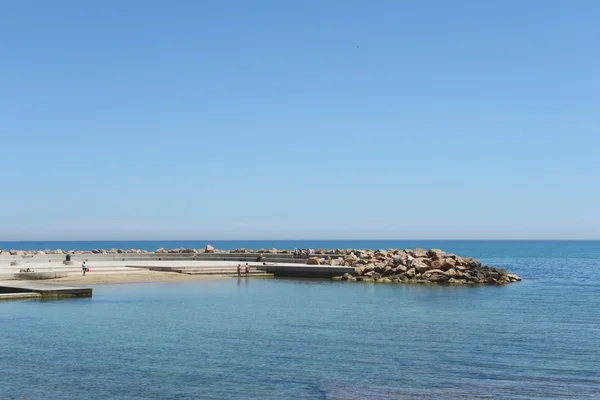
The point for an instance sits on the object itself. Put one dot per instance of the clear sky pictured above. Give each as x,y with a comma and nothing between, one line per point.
299,119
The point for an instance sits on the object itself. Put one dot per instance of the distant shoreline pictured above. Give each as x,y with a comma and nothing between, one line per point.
151,245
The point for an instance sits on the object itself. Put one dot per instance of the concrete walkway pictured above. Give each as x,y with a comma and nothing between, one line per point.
115,267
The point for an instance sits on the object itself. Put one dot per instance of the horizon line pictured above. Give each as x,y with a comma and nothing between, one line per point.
290,240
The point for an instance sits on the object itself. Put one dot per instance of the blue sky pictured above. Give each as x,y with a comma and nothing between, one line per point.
299,119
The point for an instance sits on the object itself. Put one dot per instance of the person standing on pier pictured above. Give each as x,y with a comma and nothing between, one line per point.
239,269
84,267
247,269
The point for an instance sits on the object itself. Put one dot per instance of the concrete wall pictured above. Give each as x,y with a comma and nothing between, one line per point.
34,276
306,271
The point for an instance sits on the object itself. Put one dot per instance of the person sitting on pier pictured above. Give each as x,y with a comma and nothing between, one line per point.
260,258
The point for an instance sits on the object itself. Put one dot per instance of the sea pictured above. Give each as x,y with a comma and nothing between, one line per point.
239,338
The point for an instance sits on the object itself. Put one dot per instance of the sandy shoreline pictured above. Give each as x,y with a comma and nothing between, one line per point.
132,277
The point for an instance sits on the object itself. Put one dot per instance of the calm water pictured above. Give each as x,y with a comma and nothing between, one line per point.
308,339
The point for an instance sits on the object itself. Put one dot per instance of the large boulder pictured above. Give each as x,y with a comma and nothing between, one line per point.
160,251
502,275
380,267
418,252
336,262
369,267
400,269
438,278
209,249
448,263
348,277
436,264
459,260
419,265
351,258
313,261
451,273
433,272
435,254
513,277
399,259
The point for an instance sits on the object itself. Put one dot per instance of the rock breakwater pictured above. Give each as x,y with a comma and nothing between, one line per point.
417,266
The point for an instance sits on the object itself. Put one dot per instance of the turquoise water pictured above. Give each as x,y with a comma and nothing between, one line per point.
311,339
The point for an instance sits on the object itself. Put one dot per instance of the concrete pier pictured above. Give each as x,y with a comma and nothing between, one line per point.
306,271
20,296
184,263
44,290
194,267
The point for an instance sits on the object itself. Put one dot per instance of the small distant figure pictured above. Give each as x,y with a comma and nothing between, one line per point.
239,269
260,258
68,257
85,268
295,252
247,269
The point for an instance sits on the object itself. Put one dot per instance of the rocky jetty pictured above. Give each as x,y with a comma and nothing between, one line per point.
384,266
417,266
